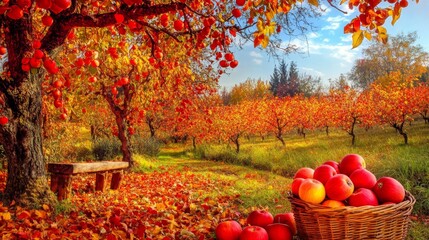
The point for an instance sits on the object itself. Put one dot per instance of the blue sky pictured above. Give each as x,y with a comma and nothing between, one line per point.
329,51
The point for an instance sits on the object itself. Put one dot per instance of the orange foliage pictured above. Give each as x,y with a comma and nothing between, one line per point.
161,205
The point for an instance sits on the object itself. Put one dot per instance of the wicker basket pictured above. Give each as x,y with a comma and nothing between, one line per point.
390,222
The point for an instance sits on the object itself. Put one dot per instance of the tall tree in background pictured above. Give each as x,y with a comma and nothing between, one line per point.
274,81
400,53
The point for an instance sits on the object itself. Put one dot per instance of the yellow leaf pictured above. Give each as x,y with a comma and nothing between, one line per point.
367,35
265,41
45,207
343,1
40,213
314,2
357,38
6,216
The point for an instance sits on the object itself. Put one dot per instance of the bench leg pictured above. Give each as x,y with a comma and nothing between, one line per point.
100,181
61,185
116,180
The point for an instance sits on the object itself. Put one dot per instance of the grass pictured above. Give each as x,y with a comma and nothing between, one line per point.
262,171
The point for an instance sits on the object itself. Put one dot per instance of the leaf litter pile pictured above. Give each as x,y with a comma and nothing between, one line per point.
160,205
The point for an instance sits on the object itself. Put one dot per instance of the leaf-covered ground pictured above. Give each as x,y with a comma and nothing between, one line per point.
165,204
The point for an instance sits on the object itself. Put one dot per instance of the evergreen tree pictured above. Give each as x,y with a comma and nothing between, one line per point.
293,80
283,82
274,81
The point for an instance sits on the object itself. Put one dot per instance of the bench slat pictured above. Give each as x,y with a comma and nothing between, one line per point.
74,168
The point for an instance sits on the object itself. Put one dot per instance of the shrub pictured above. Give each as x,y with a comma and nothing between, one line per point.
147,146
106,149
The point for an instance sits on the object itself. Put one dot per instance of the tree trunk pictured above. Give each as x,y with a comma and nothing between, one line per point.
22,141
400,129
120,119
280,137
236,142
125,141
352,131
327,130
194,143
152,130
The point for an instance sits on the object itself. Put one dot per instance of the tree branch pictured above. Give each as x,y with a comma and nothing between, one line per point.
62,26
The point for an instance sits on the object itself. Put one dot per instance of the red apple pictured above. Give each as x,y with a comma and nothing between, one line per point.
350,163
312,191
304,172
279,231
363,178
333,203
333,164
260,218
339,187
288,219
254,233
388,189
323,173
3,120
363,197
295,185
228,230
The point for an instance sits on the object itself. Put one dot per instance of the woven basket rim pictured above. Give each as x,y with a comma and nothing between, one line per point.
408,201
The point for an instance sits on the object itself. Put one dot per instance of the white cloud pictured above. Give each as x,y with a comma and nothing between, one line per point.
346,38
257,58
312,71
257,61
255,54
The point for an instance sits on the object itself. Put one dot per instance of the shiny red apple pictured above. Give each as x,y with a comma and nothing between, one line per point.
260,218
339,187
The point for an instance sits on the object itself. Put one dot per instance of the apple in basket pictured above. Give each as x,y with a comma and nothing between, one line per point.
333,164
363,178
350,163
304,172
312,191
324,172
295,185
363,197
339,187
388,189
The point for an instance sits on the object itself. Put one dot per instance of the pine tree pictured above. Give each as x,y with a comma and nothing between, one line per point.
274,81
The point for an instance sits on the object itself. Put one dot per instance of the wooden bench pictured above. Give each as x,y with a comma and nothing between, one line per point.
62,174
